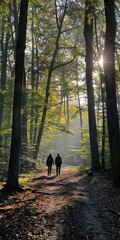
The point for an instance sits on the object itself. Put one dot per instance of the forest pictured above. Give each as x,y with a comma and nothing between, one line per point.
59,78
60,94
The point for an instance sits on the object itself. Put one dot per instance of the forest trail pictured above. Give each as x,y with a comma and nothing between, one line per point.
61,207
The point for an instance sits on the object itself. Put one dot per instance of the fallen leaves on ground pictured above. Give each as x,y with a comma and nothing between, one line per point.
62,207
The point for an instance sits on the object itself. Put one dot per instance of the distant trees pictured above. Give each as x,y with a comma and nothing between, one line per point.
59,23
7,53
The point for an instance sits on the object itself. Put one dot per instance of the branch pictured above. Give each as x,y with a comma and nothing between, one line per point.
58,103
116,6
70,29
114,211
63,64
66,63
56,14
61,127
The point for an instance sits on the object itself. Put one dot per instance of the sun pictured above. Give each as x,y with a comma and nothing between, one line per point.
101,62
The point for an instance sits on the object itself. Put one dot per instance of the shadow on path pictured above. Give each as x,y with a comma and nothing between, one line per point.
52,208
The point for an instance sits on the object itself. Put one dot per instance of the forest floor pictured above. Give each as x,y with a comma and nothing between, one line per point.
65,207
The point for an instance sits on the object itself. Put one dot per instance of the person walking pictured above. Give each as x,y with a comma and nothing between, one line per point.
58,163
49,163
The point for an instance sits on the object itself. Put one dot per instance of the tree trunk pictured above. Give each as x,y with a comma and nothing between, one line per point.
102,90
4,50
32,82
12,183
88,33
111,101
36,107
24,139
103,120
67,102
15,13
78,97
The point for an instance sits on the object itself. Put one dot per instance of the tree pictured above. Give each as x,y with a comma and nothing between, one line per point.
101,100
88,33
59,21
111,100
24,139
4,51
12,183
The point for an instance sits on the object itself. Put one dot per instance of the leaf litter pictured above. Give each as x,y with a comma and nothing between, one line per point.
62,207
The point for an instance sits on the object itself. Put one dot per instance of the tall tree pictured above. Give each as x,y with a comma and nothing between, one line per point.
4,54
88,33
32,77
111,101
59,21
12,183
24,138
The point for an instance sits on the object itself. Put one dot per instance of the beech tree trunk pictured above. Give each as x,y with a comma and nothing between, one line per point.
111,101
12,183
24,138
103,120
102,89
4,49
88,33
32,82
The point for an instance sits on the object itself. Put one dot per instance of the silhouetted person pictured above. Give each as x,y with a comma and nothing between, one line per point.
49,163
58,162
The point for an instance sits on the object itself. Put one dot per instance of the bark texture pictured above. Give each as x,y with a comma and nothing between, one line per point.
111,100
88,33
13,171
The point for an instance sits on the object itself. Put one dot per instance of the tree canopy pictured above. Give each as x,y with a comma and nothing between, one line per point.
65,81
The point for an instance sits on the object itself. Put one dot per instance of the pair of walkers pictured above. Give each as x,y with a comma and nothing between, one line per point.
50,162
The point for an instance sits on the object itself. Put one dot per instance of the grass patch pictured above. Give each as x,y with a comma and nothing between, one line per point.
26,177
41,166
81,169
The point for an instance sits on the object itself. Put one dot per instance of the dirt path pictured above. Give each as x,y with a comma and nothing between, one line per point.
54,208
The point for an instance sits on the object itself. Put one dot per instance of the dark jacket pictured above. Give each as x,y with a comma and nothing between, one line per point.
49,161
58,161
